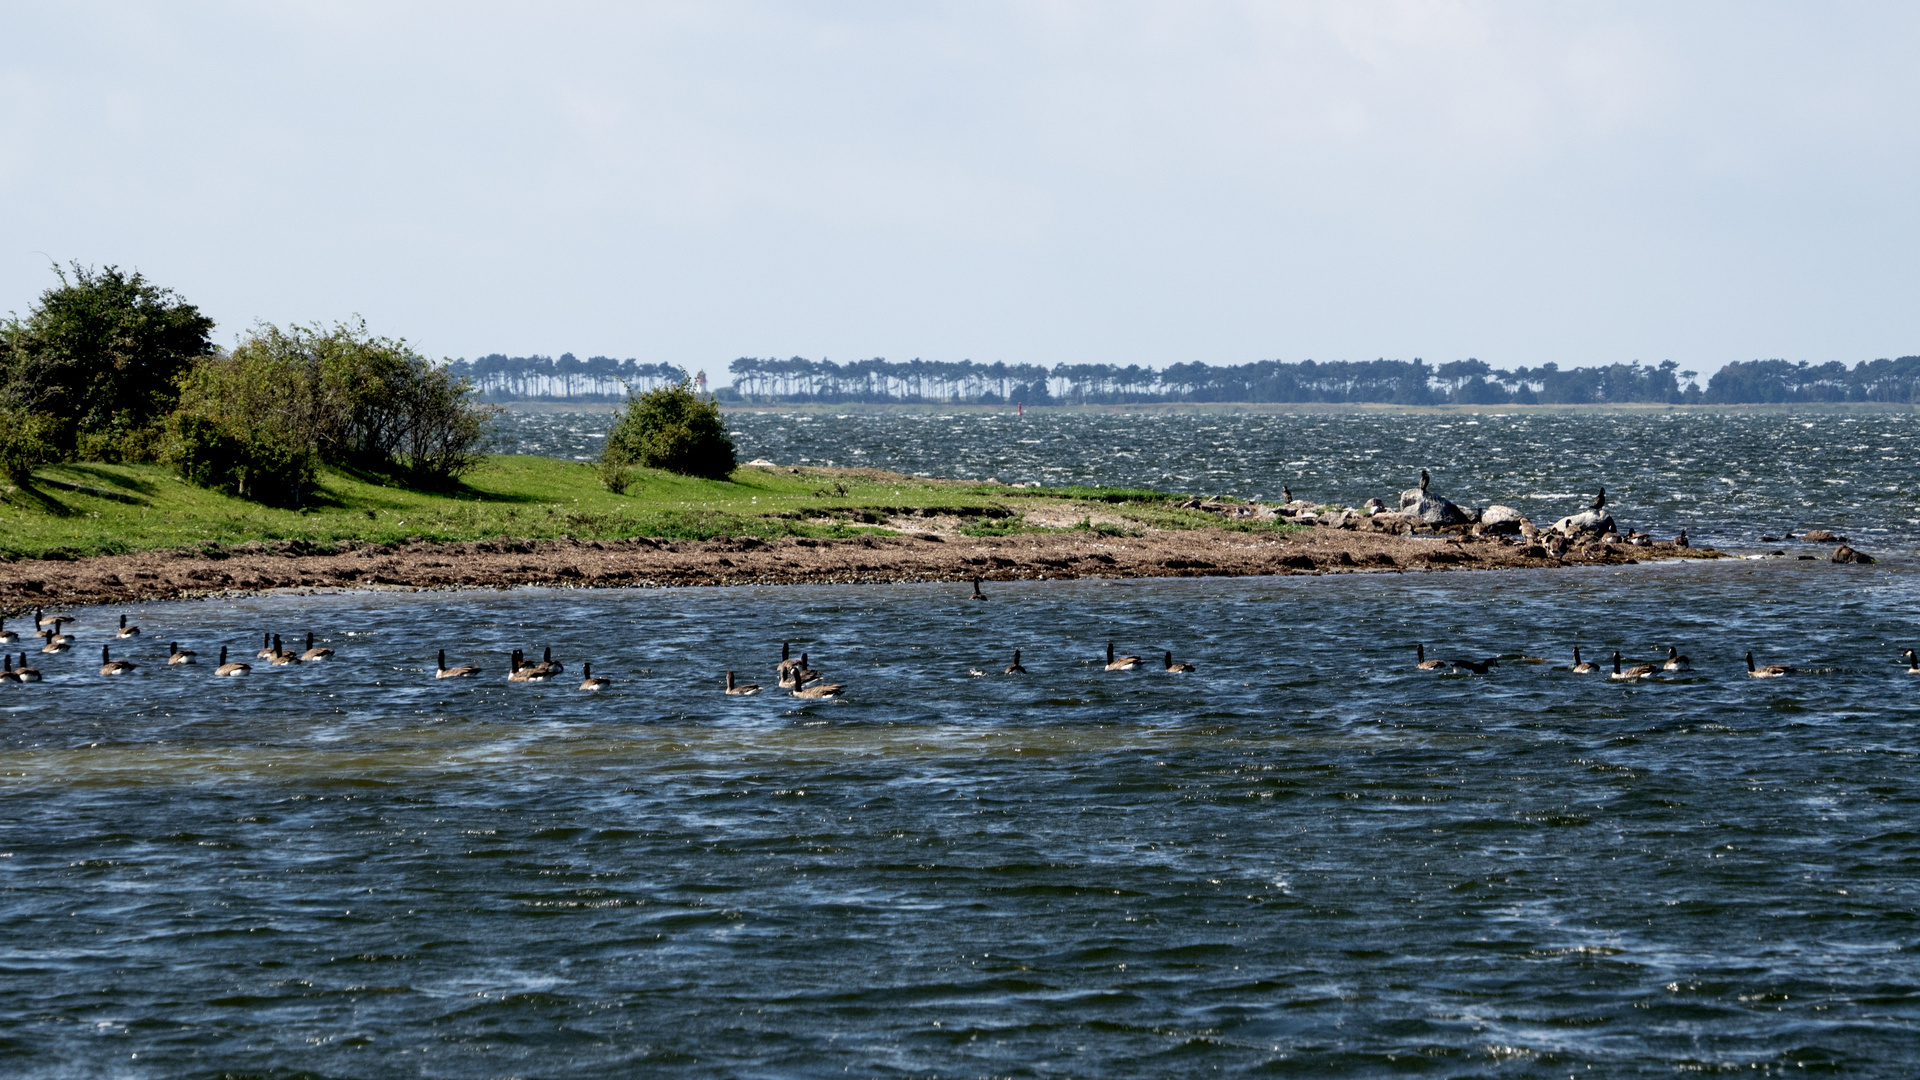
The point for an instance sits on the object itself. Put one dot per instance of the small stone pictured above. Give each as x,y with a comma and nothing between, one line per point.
1822,536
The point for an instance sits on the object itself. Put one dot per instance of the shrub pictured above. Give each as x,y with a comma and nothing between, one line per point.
101,352
244,425
615,477
671,428
24,444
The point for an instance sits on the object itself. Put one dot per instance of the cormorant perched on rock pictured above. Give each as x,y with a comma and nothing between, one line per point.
1424,480
1600,499
1286,493
1682,541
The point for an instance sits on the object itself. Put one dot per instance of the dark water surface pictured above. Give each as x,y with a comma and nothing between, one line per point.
1306,859
1731,478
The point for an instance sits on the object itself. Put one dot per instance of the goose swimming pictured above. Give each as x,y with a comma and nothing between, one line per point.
230,670
1478,667
1913,662
741,689
125,630
6,670
590,681
1176,668
1121,663
824,690
1676,662
282,656
266,648
312,653
442,671
1015,668
977,594
1637,671
7,635
110,666
1583,667
25,673
1420,661
178,655
1771,671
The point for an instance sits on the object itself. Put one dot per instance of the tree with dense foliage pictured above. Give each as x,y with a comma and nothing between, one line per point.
669,428
99,358
259,420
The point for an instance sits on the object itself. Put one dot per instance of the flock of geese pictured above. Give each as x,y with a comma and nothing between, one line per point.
1673,663
797,676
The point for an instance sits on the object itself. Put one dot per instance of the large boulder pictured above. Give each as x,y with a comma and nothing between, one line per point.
1585,523
1431,509
1502,519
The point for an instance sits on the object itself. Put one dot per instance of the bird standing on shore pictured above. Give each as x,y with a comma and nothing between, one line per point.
1681,541
1600,499
1286,494
1424,481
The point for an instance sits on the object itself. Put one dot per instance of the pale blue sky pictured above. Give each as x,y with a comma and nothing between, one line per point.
1029,182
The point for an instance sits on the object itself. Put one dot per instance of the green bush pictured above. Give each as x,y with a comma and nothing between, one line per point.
615,477
671,428
24,444
244,425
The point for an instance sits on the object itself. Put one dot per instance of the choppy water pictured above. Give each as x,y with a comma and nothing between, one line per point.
1729,477
1306,859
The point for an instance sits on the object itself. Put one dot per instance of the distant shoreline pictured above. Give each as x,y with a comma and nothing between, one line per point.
1250,408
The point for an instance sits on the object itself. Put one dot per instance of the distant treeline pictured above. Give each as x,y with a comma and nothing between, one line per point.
597,378
1395,382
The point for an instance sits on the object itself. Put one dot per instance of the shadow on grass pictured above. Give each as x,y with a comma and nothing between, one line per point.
39,500
106,477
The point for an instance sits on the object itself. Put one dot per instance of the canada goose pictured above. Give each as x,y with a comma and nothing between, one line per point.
1913,662
802,674
824,690
977,594
6,634
1637,671
1123,663
1478,667
57,642
312,653
230,670
1176,668
589,682
522,672
741,689
442,671
786,661
282,656
1420,661
110,666
125,630
266,648
1599,499
1584,667
1771,671
178,655
25,673
6,670
546,663
1676,662
1015,668
40,619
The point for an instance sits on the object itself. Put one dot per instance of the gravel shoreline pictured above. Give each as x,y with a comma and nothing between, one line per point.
258,568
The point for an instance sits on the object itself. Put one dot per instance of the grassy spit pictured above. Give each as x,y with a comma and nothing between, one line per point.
78,510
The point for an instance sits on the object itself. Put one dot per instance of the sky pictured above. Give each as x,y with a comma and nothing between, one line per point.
1033,182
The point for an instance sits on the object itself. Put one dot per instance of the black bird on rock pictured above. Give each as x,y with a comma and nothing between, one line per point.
1424,480
1600,499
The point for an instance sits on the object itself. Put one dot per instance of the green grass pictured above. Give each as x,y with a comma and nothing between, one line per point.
146,507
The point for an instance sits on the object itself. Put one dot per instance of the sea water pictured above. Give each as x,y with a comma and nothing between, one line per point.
1306,858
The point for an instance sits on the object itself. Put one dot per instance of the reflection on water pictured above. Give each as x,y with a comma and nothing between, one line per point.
1730,478
1306,857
